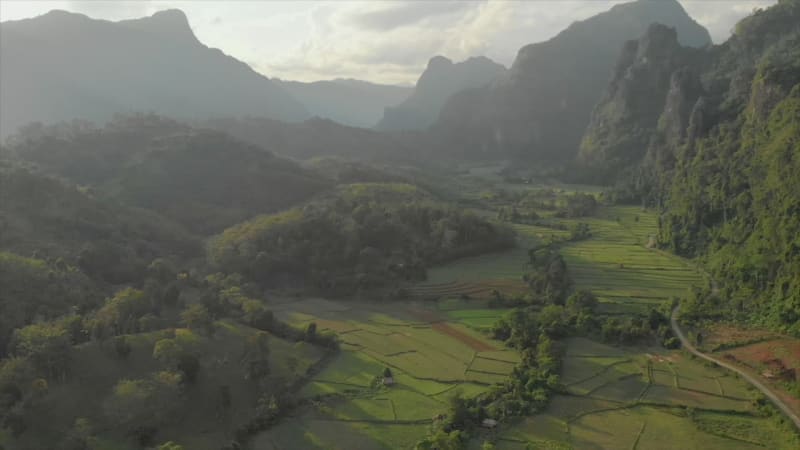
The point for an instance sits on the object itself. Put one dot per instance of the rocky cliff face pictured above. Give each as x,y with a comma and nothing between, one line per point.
540,110
648,101
713,137
441,79
663,97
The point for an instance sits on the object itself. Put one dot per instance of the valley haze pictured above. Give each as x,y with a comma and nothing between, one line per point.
400,225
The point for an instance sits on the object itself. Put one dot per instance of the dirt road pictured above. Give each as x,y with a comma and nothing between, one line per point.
749,378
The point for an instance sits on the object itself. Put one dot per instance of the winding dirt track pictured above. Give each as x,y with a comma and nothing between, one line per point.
750,379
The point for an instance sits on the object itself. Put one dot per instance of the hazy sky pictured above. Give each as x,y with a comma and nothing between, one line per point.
381,41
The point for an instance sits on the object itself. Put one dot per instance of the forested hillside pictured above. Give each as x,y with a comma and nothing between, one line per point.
364,236
119,330
716,147
202,179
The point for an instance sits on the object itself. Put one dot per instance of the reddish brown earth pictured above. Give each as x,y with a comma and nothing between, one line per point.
472,342
440,326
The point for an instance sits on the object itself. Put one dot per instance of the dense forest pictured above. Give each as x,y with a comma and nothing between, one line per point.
715,147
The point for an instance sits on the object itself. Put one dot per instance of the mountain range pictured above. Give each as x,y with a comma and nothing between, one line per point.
441,79
541,107
349,102
62,66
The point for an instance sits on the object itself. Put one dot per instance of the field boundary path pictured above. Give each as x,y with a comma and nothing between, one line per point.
747,377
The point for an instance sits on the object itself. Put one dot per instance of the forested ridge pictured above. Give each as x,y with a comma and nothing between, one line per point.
136,258
716,149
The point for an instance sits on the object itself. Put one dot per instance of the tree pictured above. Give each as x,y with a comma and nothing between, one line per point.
167,351
256,314
47,345
141,404
169,446
122,347
80,436
387,372
162,270
311,331
170,353
256,357
582,300
197,317
189,366
121,313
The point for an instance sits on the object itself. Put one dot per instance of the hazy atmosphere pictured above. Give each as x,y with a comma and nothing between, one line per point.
382,42
262,225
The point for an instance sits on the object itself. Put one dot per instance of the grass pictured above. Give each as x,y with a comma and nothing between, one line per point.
615,398
628,398
645,428
429,350
477,318
617,265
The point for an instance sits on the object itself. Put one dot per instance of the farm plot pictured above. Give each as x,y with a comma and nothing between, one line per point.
645,428
334,434
477,318
430,356
479,276
637,398
616,265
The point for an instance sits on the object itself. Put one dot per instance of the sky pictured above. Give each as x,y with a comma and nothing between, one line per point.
380,41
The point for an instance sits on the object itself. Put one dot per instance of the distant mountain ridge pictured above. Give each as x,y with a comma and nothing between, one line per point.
540,109
349,102
441,79
62,66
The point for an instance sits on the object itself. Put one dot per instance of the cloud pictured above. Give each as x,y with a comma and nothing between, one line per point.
386,41
391,42
391,15
113,10
719,17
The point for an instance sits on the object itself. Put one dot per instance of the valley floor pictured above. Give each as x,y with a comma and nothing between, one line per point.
632,397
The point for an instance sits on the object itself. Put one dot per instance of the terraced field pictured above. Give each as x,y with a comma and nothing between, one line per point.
479,276
613,398
644,399
618,267
431,349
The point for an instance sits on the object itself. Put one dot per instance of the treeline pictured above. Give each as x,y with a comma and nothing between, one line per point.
364,236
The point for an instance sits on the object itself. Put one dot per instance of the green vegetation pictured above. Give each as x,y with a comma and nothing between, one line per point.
162,285
364,236
713,146
203,180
